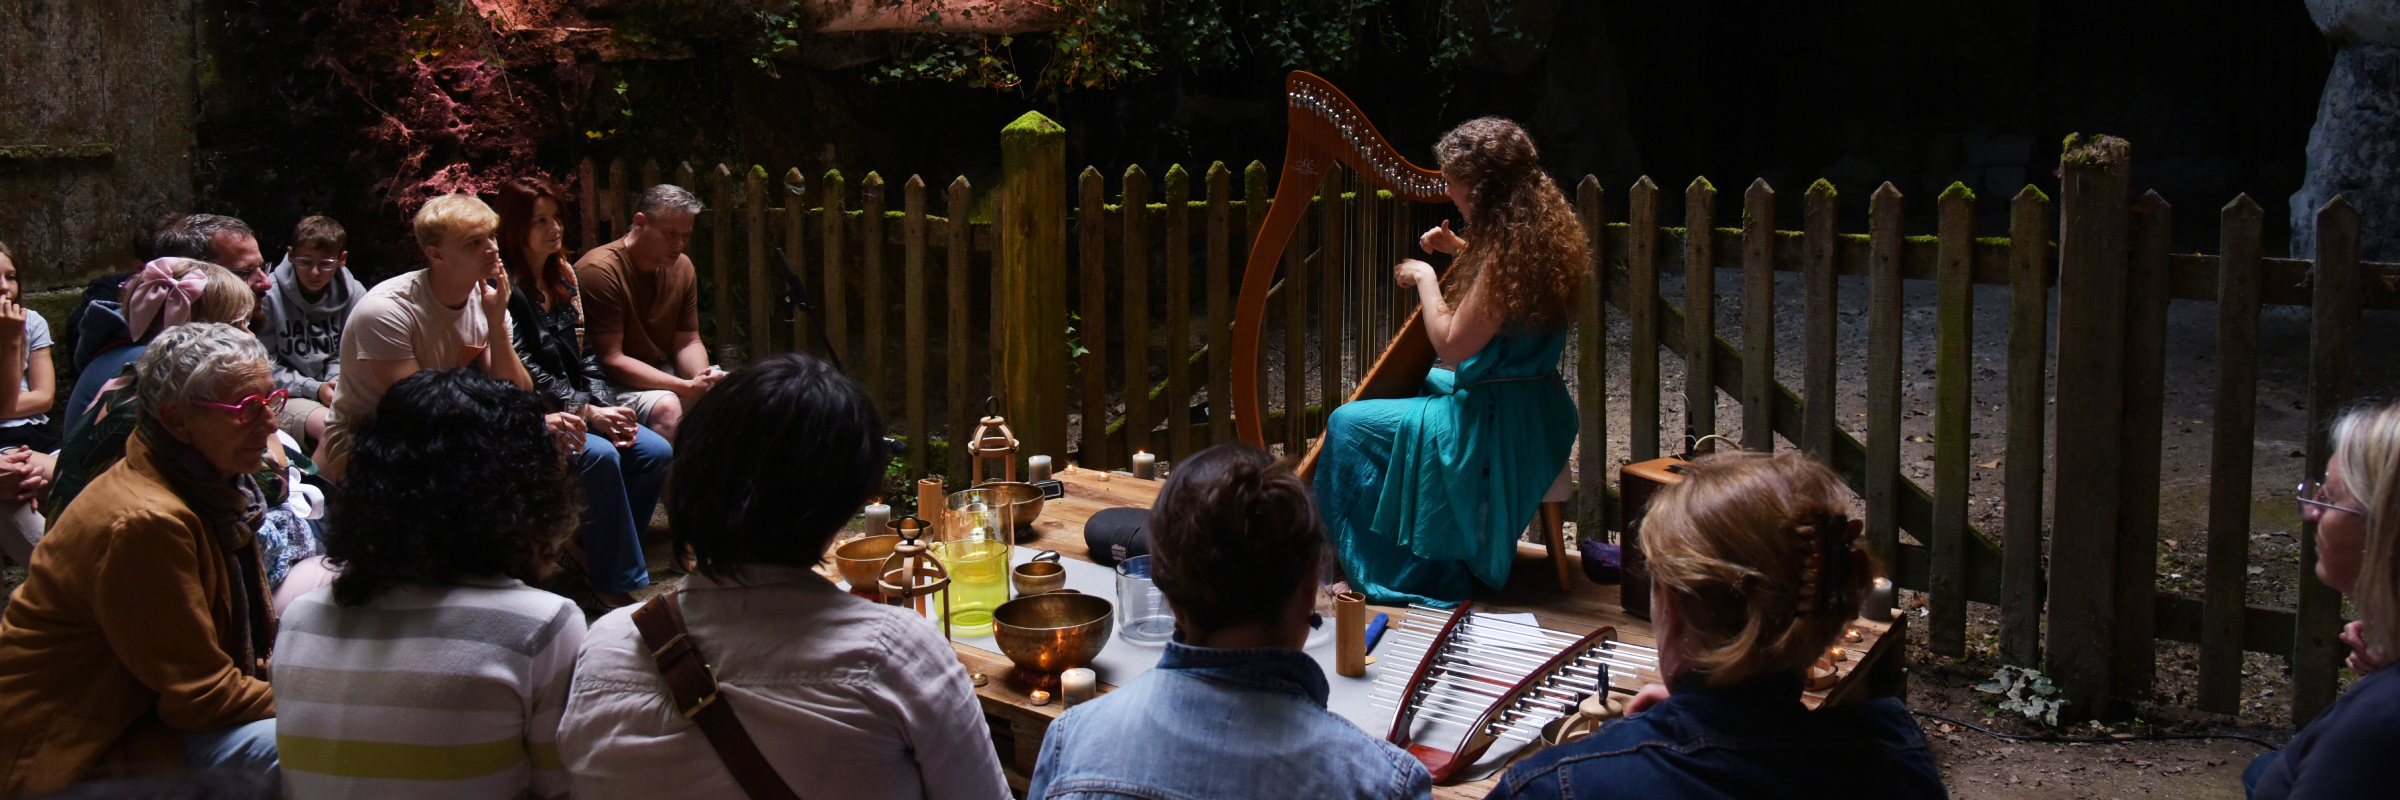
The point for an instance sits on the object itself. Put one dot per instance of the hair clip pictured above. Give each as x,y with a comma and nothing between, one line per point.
1825,565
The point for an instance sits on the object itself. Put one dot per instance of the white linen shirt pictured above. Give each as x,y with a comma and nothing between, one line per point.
846,698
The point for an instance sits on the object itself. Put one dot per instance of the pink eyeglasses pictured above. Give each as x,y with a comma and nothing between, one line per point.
254,407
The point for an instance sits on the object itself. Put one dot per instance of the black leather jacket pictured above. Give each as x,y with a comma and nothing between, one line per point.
545,341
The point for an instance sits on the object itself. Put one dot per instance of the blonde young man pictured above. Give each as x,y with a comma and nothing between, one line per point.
451,314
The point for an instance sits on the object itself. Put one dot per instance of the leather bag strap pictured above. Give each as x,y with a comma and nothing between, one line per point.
694,686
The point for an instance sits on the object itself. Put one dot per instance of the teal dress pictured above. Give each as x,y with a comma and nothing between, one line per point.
1424,496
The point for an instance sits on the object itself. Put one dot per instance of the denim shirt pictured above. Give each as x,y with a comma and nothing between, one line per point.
1215,723
1749,740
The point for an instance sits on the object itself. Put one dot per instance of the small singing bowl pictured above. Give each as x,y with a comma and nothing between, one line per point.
1039,576
861,559
1025,501
1045,634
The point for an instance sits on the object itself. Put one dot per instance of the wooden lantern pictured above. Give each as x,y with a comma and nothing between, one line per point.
992,440
913,572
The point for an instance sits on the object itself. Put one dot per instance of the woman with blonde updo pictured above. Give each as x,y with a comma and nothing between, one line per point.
1424,496
1754,569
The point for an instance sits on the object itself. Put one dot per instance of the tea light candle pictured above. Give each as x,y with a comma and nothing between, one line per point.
1039,697
1145,465
1837,655
879,519
1853,636
1075,685
1037,469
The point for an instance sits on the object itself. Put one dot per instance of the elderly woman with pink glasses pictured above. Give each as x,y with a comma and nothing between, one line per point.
140,638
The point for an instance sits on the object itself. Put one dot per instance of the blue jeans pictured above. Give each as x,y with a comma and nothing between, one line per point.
620,491
247,748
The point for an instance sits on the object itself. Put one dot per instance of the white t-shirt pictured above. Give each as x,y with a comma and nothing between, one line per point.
399,319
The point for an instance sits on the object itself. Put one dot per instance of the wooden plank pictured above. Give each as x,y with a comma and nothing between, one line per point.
754,229
1591,355
1219,281
720,255
1136,205
1758,317
616,202
956,325
684,177
1699,311
1820,321
2091,360
587,194
833,297
1886,219
650,177
1295,336
1642,363
795,224
915,339
2028,388
1333,256
1953,424
1029,283
1178,198
874,310
1091,228
2145,408
2332,384
2232,451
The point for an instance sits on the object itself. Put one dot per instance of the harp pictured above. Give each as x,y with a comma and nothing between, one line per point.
1482,680
1367,232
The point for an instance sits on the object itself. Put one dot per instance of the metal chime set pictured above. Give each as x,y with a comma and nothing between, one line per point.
1489,679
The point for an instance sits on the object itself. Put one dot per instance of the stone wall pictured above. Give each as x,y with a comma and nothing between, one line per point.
2354,151
91,72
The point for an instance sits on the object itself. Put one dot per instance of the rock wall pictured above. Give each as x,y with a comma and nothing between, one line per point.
2354,151
91,72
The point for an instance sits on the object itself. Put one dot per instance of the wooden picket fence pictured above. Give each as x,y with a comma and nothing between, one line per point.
2109,265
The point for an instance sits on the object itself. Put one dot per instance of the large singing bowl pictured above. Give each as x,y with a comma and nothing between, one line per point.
1025,500
862,559
1045,634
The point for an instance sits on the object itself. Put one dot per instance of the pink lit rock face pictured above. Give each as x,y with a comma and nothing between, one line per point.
954,16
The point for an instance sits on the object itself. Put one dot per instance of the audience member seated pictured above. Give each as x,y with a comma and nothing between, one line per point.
1737,632
844,697
623,464
429,668
2344,751
102,291
302,323
24,349
140,637
1234,709
221,240
442,317
642,302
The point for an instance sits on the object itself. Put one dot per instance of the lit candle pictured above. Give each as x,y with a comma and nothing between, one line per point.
879,519
1853,636
1075,685
1145,465
1837,655
1037,469
1039,697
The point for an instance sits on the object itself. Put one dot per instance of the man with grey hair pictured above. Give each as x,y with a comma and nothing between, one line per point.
220,240
641,305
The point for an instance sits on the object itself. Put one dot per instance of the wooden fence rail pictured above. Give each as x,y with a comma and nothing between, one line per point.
1137,336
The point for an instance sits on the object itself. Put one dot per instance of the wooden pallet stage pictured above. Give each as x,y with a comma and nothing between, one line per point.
1018,725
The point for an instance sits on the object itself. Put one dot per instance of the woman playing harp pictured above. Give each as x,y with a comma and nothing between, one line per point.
1425,495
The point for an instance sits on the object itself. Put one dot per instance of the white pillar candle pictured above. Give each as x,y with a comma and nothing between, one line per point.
1037,469
1076,685
1145,466
879,519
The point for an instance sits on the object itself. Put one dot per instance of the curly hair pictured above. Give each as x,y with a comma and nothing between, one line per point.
1725,545
1521,229
455,475
771,463
1233,536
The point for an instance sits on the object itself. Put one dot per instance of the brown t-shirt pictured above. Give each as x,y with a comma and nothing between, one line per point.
649,308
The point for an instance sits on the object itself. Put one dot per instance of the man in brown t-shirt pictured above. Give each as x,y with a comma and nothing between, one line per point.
641,307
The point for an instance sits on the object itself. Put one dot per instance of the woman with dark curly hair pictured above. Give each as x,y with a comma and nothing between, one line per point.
1426,495
429,663
843,697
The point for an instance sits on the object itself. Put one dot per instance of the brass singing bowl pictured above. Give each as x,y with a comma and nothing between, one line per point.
1024,499
1044,634
1037,577
862,559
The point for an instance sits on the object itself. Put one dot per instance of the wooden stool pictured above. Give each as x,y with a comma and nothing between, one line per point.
1553,518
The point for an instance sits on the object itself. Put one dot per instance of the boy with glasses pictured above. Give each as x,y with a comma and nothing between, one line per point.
302,324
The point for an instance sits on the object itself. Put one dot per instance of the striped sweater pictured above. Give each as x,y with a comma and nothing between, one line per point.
428,691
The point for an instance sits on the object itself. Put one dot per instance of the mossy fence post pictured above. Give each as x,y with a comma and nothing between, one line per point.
1032,282
2092,261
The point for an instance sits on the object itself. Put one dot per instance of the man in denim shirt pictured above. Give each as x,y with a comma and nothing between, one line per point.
1234,709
